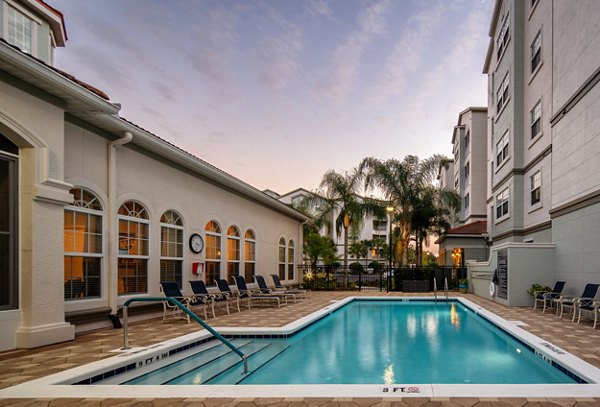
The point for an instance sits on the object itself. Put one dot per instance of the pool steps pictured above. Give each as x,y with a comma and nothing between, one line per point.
214,364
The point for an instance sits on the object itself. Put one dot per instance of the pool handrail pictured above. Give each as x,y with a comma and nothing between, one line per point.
188,312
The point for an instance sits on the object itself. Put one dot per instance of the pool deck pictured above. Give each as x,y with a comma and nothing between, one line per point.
19,366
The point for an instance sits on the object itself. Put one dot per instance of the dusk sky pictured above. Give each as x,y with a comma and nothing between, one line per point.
278,92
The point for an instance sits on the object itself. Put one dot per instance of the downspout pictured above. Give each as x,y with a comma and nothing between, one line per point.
113,227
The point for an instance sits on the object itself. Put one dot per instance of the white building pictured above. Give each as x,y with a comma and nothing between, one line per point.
95,210
543,65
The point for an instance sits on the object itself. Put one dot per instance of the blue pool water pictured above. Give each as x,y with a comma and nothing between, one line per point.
386,342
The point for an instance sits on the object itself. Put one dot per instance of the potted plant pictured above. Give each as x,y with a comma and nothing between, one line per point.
463,285
538,288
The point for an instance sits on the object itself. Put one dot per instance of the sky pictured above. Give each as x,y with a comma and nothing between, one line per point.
278,92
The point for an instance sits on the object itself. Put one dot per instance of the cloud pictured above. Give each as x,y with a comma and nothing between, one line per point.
277,54
407,55
348,56
318,8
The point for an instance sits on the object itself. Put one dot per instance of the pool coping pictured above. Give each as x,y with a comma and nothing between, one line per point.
46,386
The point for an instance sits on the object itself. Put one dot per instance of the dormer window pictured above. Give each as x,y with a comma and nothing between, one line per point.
19,29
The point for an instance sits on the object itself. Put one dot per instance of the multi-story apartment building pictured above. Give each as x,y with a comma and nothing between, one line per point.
466,174
543,65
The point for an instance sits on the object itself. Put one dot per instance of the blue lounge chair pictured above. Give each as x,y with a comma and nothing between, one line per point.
262,285
258,296
201,292
548,297
585,300
171,289
298,291
237,296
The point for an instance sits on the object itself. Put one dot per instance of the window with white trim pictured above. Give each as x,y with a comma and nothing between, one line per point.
20,29
213,253
171,247
467,170
536,119
281,258
233,253
503,37
467,139
502,94
536,188
133,248
502,149
290,275
467,201
249,255
536,51
502,204
83,246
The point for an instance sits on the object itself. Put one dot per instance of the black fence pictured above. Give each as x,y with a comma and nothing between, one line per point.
409,279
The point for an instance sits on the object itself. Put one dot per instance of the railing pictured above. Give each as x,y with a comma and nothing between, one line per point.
406,279
189,313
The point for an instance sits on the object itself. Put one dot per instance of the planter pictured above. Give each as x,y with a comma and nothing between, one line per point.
463,289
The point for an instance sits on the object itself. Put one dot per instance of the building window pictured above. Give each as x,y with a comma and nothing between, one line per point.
282,258
290,275
536,119
467,170
83,246
233,253
536,187
502,94
133,248
467,199
456,183
249,255
9,270
379,224
467,139
213,253
171,247
502,149
502,204
503,37
19,30
536,51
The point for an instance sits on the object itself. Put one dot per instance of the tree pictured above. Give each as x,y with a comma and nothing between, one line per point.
405,185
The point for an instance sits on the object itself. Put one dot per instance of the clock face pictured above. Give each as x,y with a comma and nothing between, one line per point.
196,243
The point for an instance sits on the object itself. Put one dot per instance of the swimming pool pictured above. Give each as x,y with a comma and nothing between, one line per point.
373,342
131,364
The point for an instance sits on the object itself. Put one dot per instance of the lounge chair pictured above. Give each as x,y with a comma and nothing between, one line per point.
238,296
171,289
594,307
548,297
262,285
214,300
586,299
258,296
298,291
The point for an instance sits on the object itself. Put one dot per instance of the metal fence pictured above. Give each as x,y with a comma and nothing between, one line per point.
409,279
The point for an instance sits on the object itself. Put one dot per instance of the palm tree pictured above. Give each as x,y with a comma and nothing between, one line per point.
405,185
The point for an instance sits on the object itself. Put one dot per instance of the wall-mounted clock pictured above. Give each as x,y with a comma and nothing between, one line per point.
196,243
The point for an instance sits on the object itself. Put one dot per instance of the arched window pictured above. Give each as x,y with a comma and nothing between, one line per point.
213,252
249,255
233,253
9,218
133,248
171,247
290,259
83,246
282,258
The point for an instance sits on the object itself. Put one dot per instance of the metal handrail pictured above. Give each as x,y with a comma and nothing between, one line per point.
435,289
446,287
189,313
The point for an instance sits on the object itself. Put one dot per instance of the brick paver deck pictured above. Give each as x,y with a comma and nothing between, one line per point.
19,366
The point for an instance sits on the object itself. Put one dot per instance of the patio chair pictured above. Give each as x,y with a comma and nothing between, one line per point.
171,289
262,285
258,296
587,298
594,308
238,296
298,291
547,297
214,300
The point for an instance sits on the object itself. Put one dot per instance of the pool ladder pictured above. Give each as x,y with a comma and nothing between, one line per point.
188,312
445,288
